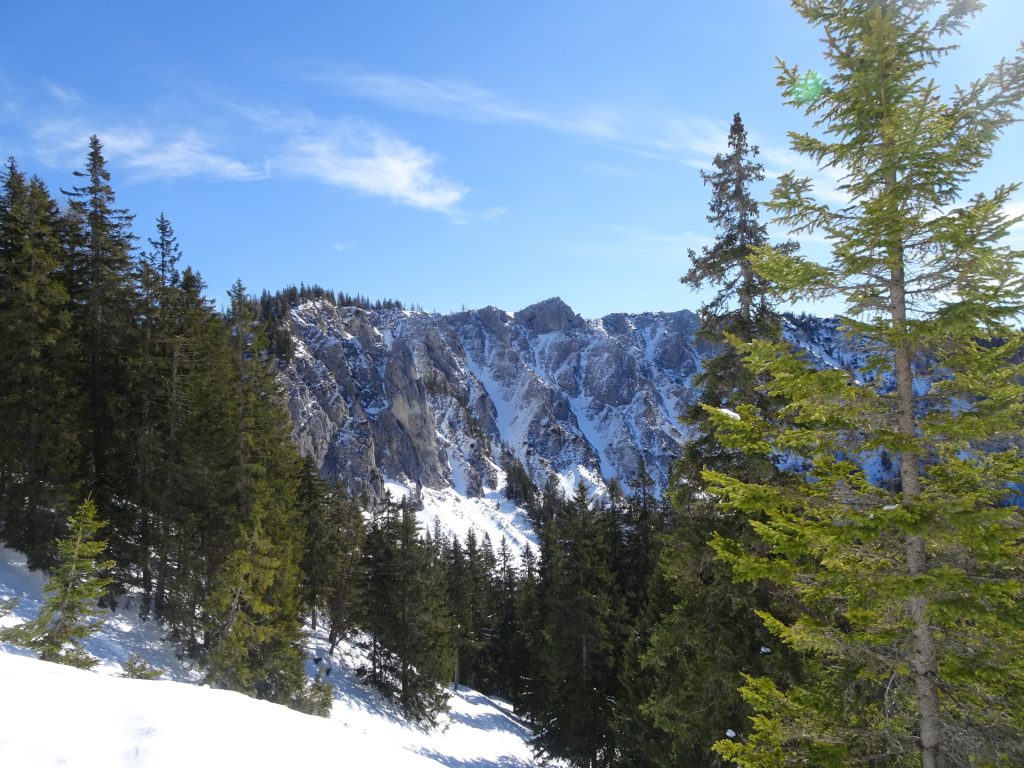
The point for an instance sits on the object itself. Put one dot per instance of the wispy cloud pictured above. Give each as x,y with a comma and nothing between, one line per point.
681,139
493,213
185,156
364,158
370,161
691,140
446,98
138,149
63,94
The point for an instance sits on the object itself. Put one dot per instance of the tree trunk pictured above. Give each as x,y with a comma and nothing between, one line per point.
923,662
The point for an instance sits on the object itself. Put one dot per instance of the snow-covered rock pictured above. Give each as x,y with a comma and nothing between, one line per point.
428,400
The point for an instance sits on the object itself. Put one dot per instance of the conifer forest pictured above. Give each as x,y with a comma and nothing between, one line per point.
833,577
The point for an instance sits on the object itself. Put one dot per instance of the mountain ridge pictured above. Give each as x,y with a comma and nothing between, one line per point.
434,400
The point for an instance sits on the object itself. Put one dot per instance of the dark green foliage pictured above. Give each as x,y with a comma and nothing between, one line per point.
645,598
408,616
98,271
507,644
519,488
155,379
734,212
577,661
71,612
253,610
473,594
199,448
39,453
706,636
256,640
121,379
529,640
639,741
333,578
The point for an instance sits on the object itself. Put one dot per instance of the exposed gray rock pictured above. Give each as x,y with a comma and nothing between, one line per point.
430,399
549,316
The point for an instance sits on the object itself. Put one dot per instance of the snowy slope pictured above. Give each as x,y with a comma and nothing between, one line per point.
51,715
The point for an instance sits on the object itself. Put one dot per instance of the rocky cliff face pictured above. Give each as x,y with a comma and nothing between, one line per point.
431,400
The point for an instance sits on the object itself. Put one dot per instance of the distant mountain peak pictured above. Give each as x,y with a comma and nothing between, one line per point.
549,316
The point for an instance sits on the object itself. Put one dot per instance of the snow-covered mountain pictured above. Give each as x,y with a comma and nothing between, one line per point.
426,400
429,400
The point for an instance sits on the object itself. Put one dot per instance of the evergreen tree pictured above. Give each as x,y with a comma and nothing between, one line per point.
408,616
646,598
137,668
473,596
734,212
153,387
37,397
333,582
507,643
252,622
346,598
639,741
529,640
708,637
257,646
99,277
910,595
577,660
193,527
320,542
519,487
70,613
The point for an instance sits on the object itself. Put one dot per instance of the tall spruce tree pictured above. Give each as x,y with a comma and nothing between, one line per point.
577,659
734,212
153,386
707,635
408,615
639,741
332,575
38,455
910,591
98,271
253,606
199,446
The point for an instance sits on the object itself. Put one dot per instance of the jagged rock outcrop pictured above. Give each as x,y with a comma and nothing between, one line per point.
430,399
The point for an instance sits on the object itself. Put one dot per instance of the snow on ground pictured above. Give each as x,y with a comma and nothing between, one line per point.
492,514
123,632
53,715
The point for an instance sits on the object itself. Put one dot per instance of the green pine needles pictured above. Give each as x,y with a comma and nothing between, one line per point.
70,613
910,586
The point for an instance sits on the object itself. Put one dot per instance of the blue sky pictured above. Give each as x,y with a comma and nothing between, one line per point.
449,154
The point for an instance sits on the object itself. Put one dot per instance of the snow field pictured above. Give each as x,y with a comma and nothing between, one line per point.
53,715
